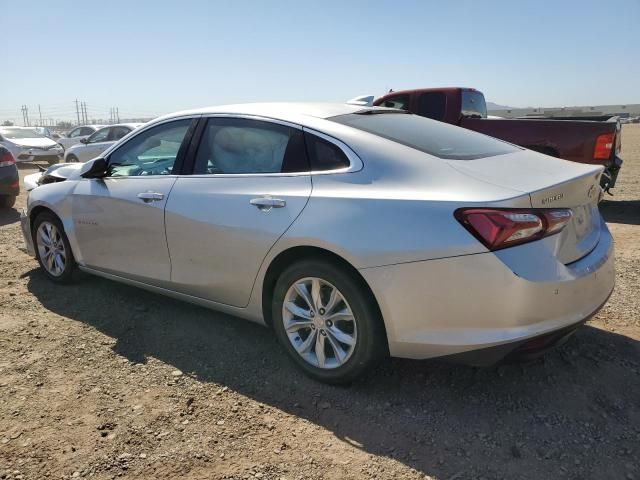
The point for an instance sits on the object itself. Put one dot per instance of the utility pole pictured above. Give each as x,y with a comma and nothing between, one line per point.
25,116
85,118
77,112
118,114
40,114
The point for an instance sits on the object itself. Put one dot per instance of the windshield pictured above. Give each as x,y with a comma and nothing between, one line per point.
473,104
428,136
19,133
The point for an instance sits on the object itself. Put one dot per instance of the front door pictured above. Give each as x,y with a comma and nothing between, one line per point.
119,219
244,194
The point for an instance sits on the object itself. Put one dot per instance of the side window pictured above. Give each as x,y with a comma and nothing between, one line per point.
399,101
432,105
118,132
101,135
238,145
324,155
153,152
85,131
75,133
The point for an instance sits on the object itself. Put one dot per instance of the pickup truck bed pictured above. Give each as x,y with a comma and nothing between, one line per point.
594,142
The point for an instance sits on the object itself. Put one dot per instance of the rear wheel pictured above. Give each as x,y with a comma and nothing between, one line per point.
72,158
52,248
327,322
7,201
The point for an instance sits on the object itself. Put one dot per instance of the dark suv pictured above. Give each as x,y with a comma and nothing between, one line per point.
9,179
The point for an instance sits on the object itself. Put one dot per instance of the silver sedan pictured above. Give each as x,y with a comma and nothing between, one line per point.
354,232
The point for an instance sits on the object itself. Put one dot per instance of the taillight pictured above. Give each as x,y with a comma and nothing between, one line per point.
604,145
502,228
7,159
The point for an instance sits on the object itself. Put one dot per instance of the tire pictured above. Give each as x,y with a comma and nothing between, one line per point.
7,201
60,266
72,158
366,331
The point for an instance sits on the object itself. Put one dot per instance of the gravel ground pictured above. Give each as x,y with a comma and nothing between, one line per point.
104,380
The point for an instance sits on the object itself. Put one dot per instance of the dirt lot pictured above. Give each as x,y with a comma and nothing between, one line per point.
103,380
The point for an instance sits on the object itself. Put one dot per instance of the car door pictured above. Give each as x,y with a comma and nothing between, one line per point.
251,180
119,219
72,138
96,143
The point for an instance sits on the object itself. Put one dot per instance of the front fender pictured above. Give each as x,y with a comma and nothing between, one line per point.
55,197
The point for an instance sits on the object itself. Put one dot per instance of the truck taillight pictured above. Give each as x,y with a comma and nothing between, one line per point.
7,159
502,228
604,145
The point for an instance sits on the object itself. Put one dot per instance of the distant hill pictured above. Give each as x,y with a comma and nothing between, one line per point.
495,106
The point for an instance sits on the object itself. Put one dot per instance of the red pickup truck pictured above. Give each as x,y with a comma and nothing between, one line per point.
579,140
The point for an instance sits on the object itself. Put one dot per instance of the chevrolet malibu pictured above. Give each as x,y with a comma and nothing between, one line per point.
353,232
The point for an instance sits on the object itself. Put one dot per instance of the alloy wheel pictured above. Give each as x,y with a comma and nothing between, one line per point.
319,323
51,249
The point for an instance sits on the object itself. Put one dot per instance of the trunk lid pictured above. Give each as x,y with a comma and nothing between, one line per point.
550,183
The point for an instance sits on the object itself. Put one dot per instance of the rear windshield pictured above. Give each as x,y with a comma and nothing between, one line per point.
428,136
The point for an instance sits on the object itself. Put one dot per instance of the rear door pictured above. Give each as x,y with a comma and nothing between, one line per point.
119,219
250,182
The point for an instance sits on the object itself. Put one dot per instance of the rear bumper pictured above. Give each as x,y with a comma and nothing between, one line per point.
610,174
488,302
9,181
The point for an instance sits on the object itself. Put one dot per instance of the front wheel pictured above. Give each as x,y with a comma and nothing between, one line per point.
327,321
53,250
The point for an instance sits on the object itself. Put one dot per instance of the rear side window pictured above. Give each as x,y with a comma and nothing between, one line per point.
473,104
400,102
432,105
118,132
435,138
238,145
324,155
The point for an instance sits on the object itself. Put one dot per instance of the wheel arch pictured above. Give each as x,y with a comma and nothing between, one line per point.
293,254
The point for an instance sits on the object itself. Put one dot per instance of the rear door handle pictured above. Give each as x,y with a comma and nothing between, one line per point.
147,197
267,203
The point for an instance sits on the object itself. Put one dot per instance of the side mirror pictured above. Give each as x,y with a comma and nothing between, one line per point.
96,168
84,140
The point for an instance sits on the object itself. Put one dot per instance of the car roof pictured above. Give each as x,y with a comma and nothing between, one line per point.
130,125
293,112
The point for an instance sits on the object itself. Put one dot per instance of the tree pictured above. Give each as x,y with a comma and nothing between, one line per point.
7,123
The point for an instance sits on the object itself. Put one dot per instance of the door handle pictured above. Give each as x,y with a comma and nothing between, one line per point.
147,197
267,203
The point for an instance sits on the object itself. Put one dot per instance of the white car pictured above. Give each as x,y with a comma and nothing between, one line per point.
98,142
76,135
27,145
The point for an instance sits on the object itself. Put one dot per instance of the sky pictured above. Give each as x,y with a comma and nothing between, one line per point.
152,57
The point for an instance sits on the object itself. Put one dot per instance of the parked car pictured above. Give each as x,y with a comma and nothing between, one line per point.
9,180
353,232
583,140
27,145
45,132
96,143
75,135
